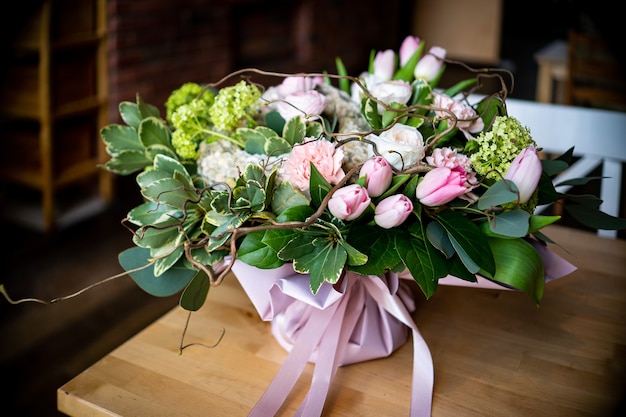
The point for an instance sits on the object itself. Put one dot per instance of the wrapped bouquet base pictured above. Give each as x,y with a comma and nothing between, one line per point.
358,319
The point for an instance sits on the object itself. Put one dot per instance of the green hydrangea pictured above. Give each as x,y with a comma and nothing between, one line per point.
190,122
233,104
185,95
497,148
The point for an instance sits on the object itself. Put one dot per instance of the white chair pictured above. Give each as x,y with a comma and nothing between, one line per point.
598,137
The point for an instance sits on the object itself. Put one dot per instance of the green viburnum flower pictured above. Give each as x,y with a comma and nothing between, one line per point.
185,95
233,104
190,122
498,147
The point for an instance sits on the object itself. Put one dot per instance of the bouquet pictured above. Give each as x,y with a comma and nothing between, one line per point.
382,172
336,188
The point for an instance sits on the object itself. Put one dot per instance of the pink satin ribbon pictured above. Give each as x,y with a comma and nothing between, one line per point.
361,318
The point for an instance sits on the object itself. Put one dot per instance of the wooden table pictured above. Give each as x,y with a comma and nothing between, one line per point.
494,353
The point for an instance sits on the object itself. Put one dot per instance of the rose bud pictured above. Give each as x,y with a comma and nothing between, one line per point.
393,211
441,185
525,171
348,203
378,175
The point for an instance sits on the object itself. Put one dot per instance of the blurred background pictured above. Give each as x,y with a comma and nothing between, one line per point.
66,64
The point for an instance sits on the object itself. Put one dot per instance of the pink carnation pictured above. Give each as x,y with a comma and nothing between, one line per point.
323,154
450,158
468,121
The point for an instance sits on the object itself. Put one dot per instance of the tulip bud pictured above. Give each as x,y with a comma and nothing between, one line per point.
384,64
348,203
378,175
429,66
408,48
525,171
393,211
441,185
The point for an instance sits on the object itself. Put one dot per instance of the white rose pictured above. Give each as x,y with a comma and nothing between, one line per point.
402,146
396,91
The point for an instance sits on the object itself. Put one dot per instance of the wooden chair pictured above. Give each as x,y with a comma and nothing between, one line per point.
595,77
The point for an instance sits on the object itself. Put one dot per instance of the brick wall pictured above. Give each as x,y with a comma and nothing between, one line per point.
156,45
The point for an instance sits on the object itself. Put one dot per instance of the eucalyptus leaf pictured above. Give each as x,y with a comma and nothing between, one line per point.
512,223
501,192
137,260
195,293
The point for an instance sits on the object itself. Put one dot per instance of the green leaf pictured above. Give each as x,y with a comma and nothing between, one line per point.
518,265
501,192
171,192
438,237
424,262
318,186
595,218
468,241
194,295
152,213
377,245
118,138
538,222
130,114
167,284
154,131
405,72
286,196
344,83
513,223
164,263
128,162
294,131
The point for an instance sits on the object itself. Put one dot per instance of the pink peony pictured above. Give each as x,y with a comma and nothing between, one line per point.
306,104
323,154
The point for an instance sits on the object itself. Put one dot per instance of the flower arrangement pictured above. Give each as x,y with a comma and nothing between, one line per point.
332,173
334,187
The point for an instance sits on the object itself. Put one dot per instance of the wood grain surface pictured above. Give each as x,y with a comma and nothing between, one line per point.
495,354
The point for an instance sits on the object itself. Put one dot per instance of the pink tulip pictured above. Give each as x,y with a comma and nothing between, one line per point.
525,171
408,48
349,202
378,175
441,185
384,64
429,65
393,211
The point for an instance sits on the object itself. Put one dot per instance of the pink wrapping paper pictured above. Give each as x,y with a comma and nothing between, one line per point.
358,319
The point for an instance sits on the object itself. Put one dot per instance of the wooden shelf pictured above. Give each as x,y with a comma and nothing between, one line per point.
53,103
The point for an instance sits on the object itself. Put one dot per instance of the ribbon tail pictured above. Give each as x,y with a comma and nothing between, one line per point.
291,369
423,370
332,346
